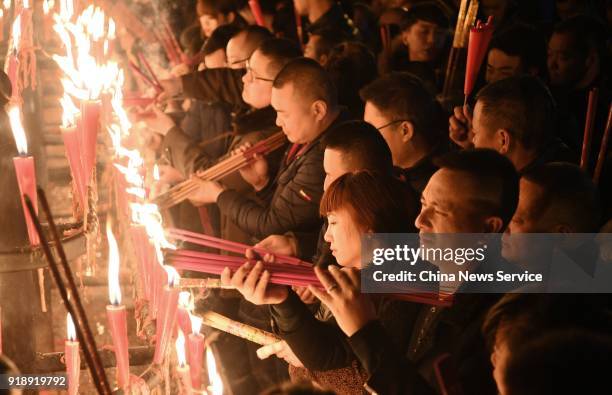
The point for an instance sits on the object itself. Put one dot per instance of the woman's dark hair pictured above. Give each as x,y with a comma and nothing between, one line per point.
376,203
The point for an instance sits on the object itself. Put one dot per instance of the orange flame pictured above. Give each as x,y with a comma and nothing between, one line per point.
215,383
180,349
70,329
19,135
114,290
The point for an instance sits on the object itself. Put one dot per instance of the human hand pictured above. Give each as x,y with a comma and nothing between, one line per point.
304,294
169,175
157,120
252,281
282,350
206,193
256,172
342,295
460,127
279,244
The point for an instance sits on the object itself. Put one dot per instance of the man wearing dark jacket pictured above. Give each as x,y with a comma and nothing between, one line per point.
326,15
305,100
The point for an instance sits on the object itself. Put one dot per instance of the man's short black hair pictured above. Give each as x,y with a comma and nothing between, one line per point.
568,194
524,41
215,7
219,38
361,145
494,174
428,12
279,51
309,80
523,106
403,96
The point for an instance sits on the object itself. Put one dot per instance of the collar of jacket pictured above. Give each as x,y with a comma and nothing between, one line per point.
343,116
255,120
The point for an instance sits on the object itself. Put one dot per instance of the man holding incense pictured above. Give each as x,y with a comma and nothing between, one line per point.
306,103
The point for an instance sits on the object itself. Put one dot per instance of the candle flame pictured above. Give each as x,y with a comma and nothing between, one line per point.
26,3
196,323
17,127
70,111
180,349
70,329
216,384
184,300
48,5
173,276
114,290
1,13
148,215
16,29
66,10
156,173
111,29
6,4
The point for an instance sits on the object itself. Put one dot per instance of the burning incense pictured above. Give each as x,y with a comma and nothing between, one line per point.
181,191
247,332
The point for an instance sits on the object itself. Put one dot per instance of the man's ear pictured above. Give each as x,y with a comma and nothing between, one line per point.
405,35
504,141
493,225
406,129
319,109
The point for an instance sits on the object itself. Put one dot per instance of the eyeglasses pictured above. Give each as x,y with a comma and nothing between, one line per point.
393,123
252,75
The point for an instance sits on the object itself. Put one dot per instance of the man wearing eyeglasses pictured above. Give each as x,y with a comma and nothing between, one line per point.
405,113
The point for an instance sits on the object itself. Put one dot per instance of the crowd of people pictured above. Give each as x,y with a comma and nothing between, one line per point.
381,140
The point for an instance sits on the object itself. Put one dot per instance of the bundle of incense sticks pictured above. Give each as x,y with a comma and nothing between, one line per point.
244,331
230,246
145,78
207,283
181,191
171,46
603,148
479,39
282,274
204,262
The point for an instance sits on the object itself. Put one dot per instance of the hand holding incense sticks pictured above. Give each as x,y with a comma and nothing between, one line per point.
225,167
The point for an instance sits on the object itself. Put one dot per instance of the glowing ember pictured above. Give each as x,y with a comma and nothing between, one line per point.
114,290
216,384
70,329
180,349
18,132
196,323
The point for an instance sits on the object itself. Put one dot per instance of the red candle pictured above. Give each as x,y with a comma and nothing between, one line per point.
183,369
166,316
479,38
90,113
116,313
25,171
72,358
184,306
71,143
256,10
196,351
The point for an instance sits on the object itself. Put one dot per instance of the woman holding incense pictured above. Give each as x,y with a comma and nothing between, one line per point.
355,204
